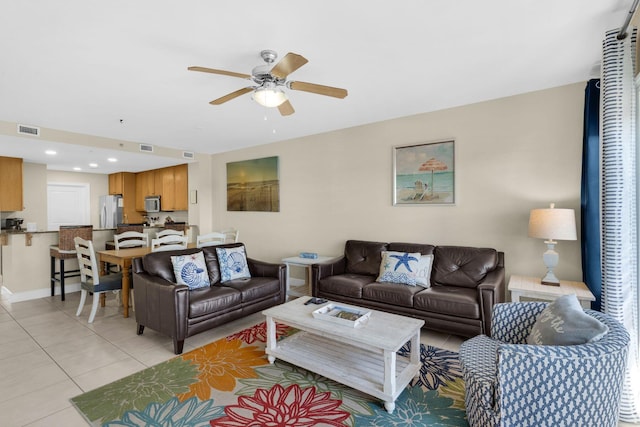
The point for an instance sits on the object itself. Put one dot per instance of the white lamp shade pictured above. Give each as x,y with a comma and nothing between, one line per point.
553,224
269,97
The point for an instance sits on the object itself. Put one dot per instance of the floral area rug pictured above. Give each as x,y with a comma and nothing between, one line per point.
230,383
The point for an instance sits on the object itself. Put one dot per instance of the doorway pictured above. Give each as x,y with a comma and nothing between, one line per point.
67,204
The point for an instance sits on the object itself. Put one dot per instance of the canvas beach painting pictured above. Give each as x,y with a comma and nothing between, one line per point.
253,185
424,174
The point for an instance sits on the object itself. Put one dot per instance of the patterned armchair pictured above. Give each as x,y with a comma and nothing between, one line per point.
511,383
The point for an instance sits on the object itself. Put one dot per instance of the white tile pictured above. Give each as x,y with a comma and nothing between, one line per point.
108,374
68,417
21,410
11,331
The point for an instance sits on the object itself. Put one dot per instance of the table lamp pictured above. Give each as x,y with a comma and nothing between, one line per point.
552,224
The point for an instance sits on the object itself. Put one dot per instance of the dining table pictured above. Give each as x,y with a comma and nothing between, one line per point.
124,258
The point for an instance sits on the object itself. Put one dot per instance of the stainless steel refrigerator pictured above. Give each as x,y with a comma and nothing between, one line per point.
110,211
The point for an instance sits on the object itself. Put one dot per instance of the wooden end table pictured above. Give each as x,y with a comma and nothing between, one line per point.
530,287
298,287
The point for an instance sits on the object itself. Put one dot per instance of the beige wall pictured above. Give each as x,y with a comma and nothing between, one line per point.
35,180
512,155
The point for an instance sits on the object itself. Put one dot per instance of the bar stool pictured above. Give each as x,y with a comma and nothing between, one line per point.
66,250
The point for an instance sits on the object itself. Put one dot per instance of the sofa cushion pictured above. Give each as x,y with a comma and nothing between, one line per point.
462,266
213,299
363,257
399,267
190,270
411,247
348,285
390,293
450,300
255,288
233,263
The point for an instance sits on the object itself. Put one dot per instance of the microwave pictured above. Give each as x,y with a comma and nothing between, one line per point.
152,203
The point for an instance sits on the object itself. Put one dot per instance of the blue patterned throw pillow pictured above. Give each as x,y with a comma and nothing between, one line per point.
399,267
191,270
233,263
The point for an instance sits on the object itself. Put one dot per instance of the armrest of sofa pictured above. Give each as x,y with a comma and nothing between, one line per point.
320,271
161,305
491,291
267,269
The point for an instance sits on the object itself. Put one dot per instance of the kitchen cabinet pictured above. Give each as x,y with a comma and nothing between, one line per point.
170,183
145,186
124,183
11,184
181,187
167,194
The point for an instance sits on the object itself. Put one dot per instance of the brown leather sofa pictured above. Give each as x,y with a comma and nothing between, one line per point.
176,311
465,284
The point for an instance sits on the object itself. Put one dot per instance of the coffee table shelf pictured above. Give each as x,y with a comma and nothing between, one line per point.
364,358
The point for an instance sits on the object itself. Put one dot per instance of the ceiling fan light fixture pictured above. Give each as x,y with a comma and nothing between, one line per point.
269,97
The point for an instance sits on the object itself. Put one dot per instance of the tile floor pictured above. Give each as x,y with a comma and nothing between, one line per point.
48,355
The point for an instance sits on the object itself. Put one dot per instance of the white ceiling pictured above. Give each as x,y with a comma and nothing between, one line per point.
84,65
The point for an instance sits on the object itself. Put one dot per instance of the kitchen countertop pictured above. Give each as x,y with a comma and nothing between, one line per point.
23,231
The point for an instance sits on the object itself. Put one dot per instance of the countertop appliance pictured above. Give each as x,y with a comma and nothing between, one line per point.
152,204
12,223
110,211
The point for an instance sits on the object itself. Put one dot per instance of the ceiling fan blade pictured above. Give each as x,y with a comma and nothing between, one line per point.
336,92
288,64
231,96
223,72
286,109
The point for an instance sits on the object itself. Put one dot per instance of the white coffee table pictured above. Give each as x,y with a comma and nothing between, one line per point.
364,358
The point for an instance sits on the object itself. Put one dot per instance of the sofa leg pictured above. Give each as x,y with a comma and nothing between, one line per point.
177,346
140,329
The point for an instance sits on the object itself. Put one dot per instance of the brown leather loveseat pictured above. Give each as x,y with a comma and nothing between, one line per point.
179,312
465,284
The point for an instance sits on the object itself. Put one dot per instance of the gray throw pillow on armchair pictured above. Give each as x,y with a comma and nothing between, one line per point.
564,322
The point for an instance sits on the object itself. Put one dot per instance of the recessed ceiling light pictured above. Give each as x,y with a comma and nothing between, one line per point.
50,152
93,165
77,169
112,159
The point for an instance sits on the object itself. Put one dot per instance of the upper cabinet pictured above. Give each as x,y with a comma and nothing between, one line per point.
171,184
11,184
124,183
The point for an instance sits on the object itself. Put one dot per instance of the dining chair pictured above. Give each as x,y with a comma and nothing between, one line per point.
169,232
168,243
65,249
90,279
131,239
231,235
210,239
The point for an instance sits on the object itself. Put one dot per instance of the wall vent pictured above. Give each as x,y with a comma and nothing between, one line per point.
28,130
146,148
188,155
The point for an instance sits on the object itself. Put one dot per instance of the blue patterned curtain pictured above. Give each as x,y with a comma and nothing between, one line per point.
590,195
619,234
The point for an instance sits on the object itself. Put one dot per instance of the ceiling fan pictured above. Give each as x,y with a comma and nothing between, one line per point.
270,79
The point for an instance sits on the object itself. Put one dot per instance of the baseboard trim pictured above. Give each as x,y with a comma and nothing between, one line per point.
38,293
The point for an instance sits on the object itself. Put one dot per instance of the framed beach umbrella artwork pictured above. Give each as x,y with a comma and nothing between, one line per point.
424,174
